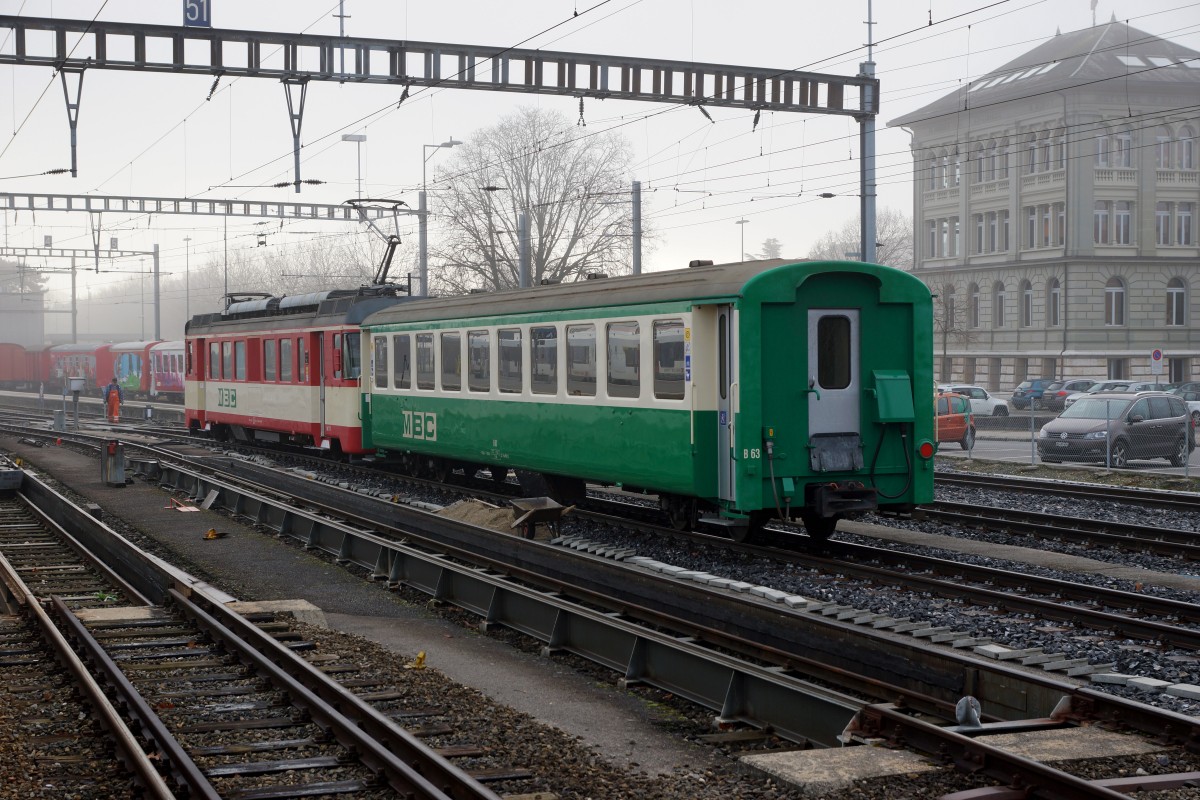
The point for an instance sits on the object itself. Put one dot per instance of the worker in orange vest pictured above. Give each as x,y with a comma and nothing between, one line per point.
112,400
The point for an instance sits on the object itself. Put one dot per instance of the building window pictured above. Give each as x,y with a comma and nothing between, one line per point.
991,232
1177,369
932,183
1060,227
1002,163
1047,160
979,248
973,310
957,168
1185,149
943,237
1183,223
1162,223
1114,302
998,300
1031,155
932,240
1100,223
1053,302
1061,150
948,304
1026,304
1176,302
1162,148
1118,369
993,157
1122,218
1030,227
954,226
1122,155
1004,231
1046,235
1102,149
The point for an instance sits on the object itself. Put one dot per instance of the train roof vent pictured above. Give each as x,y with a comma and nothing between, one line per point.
253,306
479,291
595,276
700,262
293,302
551,281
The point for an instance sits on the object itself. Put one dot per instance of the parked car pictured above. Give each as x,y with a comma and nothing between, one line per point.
982,402
1056,394
1123,385
1120,427
1193,386
1192,398
1029,393
954,421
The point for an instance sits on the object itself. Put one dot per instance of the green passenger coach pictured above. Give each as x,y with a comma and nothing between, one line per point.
740,392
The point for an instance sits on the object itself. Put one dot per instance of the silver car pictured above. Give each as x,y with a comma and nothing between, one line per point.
1118,427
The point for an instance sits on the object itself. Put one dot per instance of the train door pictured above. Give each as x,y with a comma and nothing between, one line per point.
320,348
834,387
727,388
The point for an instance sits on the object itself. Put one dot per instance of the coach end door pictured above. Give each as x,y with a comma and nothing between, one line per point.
727,389
833,389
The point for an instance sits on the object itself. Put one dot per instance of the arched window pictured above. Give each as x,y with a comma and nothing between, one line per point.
1185,149
1176,302
973,310
1053,302
998,302
978,157
1114,302
1061,149
993,159
931,184
1026,304
1031,154
1162,148
1047,161
1103,142
1122,155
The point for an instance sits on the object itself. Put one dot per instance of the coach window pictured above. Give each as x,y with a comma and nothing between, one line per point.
833,352
402,368
508,358
239,363
380,362
543,360
452,361
301,361
425,372
214,359
227,360
624,359
479,358
668,359
337,355
581,360
269,359
285,360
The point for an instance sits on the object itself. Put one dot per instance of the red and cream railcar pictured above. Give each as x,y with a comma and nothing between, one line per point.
131,367
166,371
281,369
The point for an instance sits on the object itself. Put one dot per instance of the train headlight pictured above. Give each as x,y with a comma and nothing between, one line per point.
925,449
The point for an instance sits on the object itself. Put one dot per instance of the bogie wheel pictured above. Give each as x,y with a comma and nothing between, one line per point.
1118,456
754,531
682,512
1182,451
819,528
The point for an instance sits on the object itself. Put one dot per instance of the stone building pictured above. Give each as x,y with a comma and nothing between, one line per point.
1055,202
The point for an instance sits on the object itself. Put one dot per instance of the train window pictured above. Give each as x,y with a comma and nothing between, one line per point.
668,359
581,360
403,362
479,357
285,360
508,356
723,355
301,361
270,356
239,363
191,358
337,355
352,361
543,360
833,352
452,361
214,359
380,362
227,360
425,373
624,359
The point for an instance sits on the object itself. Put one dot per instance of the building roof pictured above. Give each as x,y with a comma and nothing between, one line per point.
1092,58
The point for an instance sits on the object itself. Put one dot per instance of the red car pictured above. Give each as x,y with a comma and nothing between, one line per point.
954,421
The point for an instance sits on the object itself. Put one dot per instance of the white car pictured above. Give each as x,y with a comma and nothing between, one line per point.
1113,386
1192,398
983,404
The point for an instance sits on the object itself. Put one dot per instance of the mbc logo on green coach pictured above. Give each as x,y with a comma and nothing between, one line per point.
420,425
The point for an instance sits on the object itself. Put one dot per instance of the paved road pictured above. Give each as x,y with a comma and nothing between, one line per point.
1015,447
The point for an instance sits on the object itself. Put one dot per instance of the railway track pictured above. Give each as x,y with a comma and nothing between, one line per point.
1155,498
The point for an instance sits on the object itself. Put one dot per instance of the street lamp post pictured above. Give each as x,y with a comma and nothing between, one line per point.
741,223
423,218
358,139
187,280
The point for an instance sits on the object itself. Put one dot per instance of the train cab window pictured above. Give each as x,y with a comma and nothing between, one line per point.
301,361
543,360
227,360
352,356
239,363
403,362
479,359
624,359
425,371
380,362
191,358
270,356
214,359
833,352
508,356
285,360
452,361
668,359
581,360
337,355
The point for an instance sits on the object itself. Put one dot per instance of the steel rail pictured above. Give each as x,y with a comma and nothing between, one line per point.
1183,501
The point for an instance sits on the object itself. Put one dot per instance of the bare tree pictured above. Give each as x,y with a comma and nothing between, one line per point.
19,278
893,240
572,184
950,324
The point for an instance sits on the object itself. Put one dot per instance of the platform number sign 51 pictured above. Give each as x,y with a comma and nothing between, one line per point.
197,13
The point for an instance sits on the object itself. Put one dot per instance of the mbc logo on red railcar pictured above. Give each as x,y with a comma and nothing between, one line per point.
420,425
